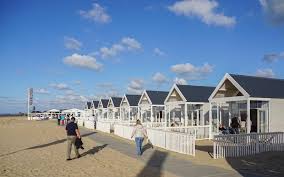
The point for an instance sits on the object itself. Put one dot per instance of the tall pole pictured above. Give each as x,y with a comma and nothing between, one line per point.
28,104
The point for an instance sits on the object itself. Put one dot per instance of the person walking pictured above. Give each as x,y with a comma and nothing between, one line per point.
139,132
72,133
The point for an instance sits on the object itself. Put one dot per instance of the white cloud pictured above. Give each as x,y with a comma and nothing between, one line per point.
265,73
204,10
180,81
273,57
191,72
112,51
83,61
77,82
159,78
60,86
274,10
41,91
72,43
136,86
158,52
96,14
131,43
125,44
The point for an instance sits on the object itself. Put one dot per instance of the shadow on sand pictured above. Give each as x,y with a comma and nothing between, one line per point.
154,166
45,145
94,150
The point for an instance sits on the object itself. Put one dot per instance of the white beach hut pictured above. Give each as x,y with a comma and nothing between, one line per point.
102,109
114,108
257,102
129,108
152,108
95,105
188,105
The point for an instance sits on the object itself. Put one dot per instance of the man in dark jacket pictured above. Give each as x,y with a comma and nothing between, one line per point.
72,133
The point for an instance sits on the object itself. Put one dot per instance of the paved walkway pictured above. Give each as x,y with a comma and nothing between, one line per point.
162,160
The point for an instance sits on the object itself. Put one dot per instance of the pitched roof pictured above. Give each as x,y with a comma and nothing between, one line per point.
96,104
157,97
261,86
133,99
196,93
89,105
104,102
116,101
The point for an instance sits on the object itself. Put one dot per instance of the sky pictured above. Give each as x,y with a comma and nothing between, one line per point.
73,51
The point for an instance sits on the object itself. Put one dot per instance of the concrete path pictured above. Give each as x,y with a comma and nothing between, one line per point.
162,160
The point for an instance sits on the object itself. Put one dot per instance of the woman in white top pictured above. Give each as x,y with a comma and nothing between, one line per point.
139,132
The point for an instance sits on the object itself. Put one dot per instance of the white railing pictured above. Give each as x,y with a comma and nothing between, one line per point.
90,124
174,141
80,122
123,131
237,145
154,124
200,132
103,126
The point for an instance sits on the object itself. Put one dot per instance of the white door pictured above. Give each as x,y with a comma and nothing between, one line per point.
262,121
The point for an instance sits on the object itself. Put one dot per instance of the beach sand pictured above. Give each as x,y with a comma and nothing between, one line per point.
38,148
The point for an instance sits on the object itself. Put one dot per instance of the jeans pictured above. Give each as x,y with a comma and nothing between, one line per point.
139,141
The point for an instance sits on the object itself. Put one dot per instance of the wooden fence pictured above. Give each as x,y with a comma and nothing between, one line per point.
237,145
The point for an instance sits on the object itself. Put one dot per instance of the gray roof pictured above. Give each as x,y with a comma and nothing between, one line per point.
89,104
157,97
96,104
104,102
196,93
261,86
133,99
116,101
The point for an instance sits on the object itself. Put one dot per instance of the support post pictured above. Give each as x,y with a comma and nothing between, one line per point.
210,120
248,116
185,115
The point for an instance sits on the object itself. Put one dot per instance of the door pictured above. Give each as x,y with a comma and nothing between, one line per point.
262,125
254,122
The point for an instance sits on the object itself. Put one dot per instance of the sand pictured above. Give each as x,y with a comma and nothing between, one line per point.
38,148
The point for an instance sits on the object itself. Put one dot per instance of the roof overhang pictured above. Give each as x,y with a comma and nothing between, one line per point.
147,96
175,87
232,80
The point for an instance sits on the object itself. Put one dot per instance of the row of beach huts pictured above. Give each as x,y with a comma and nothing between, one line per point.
175,119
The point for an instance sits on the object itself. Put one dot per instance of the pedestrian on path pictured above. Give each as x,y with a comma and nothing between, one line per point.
72,133
140,133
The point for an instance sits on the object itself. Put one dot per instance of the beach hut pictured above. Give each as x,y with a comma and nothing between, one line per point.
53,113
188,105
77,113
129,108
95,105
88,109
151,106
114,108
102,109
257,102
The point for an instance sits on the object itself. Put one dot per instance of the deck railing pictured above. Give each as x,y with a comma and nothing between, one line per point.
200,132
237,145
90,124
174,141
103,126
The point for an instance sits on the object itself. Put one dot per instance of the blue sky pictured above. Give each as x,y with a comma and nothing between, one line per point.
71,51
